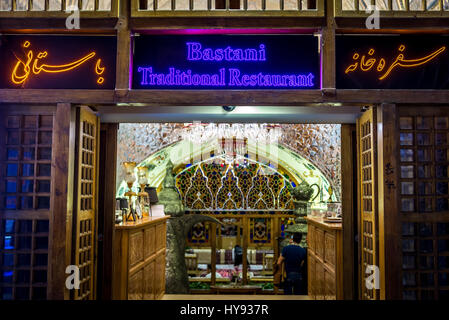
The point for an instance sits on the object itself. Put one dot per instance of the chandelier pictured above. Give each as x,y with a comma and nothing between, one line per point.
198,132
231,140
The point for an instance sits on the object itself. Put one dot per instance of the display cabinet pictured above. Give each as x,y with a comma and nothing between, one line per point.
324,258
139,262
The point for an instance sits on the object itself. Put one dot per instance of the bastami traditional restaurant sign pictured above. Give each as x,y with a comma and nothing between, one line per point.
392,62
57,62
226,62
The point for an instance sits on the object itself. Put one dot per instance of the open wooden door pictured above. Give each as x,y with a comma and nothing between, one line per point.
85,202
368,204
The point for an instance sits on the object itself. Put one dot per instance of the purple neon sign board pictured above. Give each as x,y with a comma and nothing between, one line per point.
228,62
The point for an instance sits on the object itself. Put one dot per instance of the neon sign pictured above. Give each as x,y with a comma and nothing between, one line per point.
226,62
177,77
57,62
367,65
392,61
195,52
22,69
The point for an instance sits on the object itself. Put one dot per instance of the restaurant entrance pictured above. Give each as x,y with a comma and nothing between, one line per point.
244,175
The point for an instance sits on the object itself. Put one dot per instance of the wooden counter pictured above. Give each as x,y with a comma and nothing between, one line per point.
324,259
139,260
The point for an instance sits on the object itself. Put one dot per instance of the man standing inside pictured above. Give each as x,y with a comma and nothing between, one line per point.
293,256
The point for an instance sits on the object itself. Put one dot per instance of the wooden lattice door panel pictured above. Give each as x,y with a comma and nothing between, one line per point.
25,180
368,214
86,203
424,202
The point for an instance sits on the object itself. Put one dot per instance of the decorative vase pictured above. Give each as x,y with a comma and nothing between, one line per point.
130,178
302,208
142,179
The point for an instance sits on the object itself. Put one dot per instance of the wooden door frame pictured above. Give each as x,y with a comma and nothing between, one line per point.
106,208
61,200
390,252
349,210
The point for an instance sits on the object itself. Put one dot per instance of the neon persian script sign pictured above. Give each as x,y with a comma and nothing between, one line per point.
226,62
56,62
393,62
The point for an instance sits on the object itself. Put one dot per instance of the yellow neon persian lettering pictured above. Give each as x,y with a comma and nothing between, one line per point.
22,70
367,65
98,69
20,78
60,68
353,66
381,65
410,63
400,61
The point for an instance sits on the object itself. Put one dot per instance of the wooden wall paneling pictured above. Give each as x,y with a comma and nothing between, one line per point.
136,283
368,212
160,236
319,281
329,249
325,260
159,274
329,285
149,279
389,219
139,250
136,248
150,242
348,189
319,241
310,238
60,202
311,276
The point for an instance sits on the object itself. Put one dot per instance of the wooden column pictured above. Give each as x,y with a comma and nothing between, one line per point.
106,207
61,201
328,48
390,254
349,211
123,50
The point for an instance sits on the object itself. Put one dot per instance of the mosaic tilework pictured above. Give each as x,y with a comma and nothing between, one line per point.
318,143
